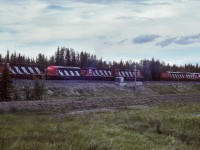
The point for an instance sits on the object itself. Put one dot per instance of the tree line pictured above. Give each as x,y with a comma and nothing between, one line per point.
151,69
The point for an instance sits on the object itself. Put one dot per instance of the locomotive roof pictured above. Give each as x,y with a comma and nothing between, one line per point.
181,72
65,67
174,72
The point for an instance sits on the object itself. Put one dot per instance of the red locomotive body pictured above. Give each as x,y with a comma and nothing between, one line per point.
62,72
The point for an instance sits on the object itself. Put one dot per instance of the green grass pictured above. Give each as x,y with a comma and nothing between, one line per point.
175,89
156,128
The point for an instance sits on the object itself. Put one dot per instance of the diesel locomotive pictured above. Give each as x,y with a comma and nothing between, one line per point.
180,76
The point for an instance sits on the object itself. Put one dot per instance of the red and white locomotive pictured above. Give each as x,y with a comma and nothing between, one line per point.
180,76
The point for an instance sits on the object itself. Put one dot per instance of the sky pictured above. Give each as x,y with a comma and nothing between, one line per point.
168,30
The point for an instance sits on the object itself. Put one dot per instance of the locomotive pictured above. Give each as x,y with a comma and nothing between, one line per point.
23,71
180,76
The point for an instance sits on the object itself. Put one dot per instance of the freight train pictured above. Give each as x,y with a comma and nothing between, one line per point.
23,71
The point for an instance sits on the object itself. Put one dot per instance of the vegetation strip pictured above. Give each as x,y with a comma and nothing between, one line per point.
169,126
81,104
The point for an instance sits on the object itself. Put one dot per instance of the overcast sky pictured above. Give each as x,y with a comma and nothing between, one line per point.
168,30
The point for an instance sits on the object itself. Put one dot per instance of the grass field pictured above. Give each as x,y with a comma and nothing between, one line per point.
166,127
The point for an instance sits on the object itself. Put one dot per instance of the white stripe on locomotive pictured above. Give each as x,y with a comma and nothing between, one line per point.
101,72
182,76
66,73
120,74
130,74
24,69
71,72
109,72
94,73
38,71
13,72
105,72
18,71
123,74
77,73
97,73
31,70
60,73
126,73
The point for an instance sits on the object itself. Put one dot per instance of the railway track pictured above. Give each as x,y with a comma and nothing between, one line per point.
66,82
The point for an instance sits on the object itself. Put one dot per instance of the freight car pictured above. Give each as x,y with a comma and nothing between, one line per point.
180,76
69,73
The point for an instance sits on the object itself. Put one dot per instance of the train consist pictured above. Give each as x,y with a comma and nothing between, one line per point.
22,71
69,73
180,76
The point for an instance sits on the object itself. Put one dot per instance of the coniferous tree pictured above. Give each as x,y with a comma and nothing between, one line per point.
1,59
57,57
38,89
7,56
68,57
73,57
5,85
61,57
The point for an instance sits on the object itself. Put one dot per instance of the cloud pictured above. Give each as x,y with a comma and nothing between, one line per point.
101,27
58,8
183,40
124,18
145,38
166,42
111,1
122,41
139,2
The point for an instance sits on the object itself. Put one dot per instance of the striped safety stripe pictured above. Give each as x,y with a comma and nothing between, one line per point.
127,73
31,70
24,70
99,72
68,73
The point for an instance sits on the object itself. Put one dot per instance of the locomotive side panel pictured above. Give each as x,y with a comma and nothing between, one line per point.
96,74
61,72
22,71
128,74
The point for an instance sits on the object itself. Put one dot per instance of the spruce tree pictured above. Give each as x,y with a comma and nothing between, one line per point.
5,85
38,89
